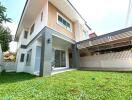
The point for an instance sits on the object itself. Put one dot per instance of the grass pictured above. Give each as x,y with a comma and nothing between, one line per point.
74,85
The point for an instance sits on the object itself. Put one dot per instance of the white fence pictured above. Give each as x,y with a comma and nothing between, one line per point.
8,66
112,61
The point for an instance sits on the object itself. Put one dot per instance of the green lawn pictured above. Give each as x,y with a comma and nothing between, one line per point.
74,85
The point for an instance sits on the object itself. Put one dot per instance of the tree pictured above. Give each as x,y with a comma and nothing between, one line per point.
5,36
3,16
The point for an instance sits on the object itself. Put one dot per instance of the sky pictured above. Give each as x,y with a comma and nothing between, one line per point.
14,11
103,16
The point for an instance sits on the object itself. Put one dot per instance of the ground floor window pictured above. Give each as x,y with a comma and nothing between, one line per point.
60,58
28,60
22,58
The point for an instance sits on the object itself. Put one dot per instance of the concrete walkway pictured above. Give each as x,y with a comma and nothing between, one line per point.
61,71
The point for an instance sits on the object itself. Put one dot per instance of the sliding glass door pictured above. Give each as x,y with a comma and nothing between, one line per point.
60,58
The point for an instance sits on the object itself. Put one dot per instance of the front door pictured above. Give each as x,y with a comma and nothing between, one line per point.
60,58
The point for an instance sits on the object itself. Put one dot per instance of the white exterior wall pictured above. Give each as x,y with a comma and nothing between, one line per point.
30,69
119,61
79,36
21,66
39,25
21,40
77,31
83,36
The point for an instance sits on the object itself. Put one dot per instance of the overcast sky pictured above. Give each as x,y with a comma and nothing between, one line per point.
102,16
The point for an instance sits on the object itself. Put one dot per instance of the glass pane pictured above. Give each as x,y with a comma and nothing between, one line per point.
60,58
68,25
57,58
27,59
22,58
63,59
29,55
32,29
84,33
60,19
64,22
25,34
42,16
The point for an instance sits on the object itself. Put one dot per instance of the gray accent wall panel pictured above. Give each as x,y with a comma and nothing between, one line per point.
37,59
75,56
46,53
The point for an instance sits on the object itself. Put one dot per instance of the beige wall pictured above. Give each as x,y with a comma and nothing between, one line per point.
52,22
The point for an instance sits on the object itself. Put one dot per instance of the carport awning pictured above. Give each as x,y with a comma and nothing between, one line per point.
117,38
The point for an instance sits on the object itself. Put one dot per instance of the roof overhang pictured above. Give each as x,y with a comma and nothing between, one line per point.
29,14
68,9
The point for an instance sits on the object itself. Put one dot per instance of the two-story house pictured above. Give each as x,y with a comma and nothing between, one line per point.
47,33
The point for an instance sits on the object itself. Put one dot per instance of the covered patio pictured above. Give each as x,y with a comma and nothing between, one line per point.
111,51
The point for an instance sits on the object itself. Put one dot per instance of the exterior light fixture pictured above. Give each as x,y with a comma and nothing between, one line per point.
49,41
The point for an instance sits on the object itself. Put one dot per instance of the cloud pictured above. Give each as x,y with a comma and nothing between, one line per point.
12,26
13,46
101,13
97,9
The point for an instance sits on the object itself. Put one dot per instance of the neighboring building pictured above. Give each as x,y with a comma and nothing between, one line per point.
47,36
92,35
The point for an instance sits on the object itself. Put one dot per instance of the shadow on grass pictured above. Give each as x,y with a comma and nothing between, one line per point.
13,77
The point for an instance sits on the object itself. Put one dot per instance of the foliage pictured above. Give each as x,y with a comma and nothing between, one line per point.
74,85
3,16
5,38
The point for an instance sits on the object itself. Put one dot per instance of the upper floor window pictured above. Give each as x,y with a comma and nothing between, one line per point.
85,34
25,34
64,22
41,16
32,29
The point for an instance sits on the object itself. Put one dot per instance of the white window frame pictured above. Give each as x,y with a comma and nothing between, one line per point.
58,14
29,53
27,34
84,35
33,29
